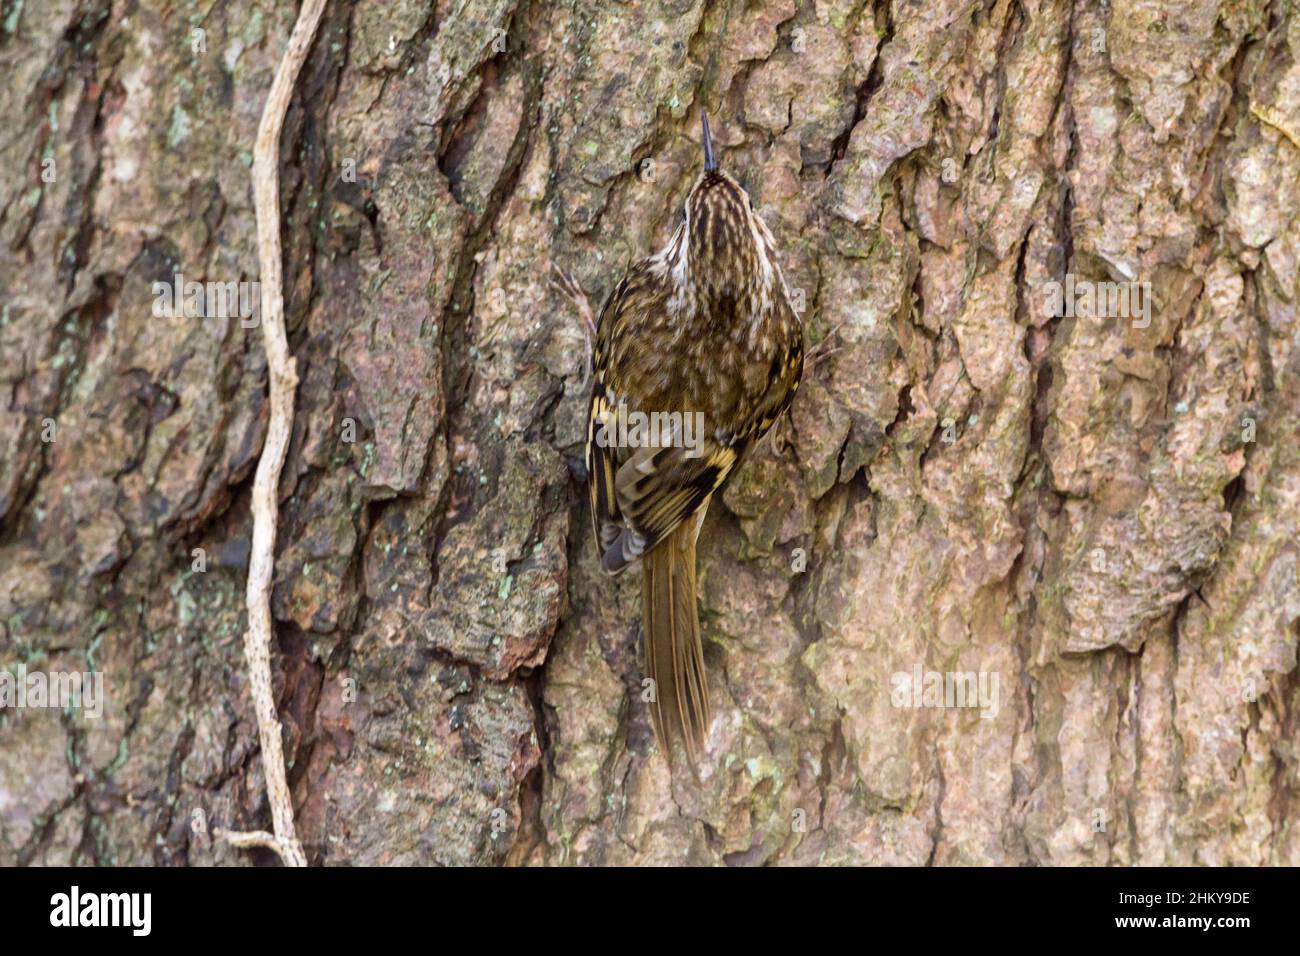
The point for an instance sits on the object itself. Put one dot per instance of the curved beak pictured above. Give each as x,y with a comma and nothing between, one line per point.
710,161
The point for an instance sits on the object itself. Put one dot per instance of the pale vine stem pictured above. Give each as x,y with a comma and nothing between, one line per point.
283,377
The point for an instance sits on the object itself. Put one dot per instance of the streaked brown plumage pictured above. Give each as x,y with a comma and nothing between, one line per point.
703,326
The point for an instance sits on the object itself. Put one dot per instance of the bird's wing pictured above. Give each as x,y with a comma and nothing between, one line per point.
641,494
658,488
606,517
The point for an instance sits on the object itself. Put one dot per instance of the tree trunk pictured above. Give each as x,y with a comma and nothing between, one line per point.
1045,453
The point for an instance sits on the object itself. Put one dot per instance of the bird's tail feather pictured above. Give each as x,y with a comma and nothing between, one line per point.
674,655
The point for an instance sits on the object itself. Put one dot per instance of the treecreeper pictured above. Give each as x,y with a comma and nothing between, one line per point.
698,352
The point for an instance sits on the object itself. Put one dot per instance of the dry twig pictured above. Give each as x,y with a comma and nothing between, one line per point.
283,375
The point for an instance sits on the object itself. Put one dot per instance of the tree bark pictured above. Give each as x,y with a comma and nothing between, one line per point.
1092,512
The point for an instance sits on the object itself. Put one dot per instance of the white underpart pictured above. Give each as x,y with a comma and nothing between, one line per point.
764,244
674,260
672,257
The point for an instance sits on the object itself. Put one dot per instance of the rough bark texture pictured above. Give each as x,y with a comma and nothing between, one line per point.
1102,515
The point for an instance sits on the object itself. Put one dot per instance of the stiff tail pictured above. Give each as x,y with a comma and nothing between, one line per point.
674,655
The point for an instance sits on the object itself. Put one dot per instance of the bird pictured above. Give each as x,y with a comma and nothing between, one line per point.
700,338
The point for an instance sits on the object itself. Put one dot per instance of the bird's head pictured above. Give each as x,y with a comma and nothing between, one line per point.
723,256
